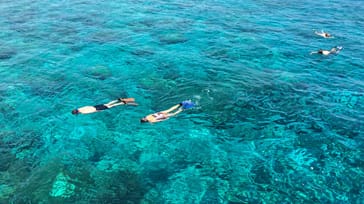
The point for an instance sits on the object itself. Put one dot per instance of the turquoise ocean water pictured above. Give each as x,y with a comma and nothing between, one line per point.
273,124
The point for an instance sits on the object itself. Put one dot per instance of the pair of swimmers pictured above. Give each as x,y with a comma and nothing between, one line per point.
152,118
334,50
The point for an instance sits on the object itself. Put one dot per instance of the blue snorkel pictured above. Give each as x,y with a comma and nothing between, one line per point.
187,104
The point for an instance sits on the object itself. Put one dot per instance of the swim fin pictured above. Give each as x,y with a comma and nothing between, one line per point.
187,104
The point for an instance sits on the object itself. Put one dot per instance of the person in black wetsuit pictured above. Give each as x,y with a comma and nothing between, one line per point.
101,107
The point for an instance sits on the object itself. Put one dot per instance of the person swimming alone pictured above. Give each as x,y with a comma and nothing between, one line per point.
101,107
166,114
323,34
334,50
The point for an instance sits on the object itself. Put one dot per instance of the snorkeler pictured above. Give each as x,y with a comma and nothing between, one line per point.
164,115
101,107
323,34
334,50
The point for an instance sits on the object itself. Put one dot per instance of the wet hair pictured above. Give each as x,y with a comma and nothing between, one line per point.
144,120
74,112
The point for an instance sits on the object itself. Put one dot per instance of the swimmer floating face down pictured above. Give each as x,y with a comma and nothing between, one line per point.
323,34
101,107
334,50
166,114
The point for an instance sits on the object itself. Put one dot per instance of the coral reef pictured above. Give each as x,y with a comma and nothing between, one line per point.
98,72
62,187
272,124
